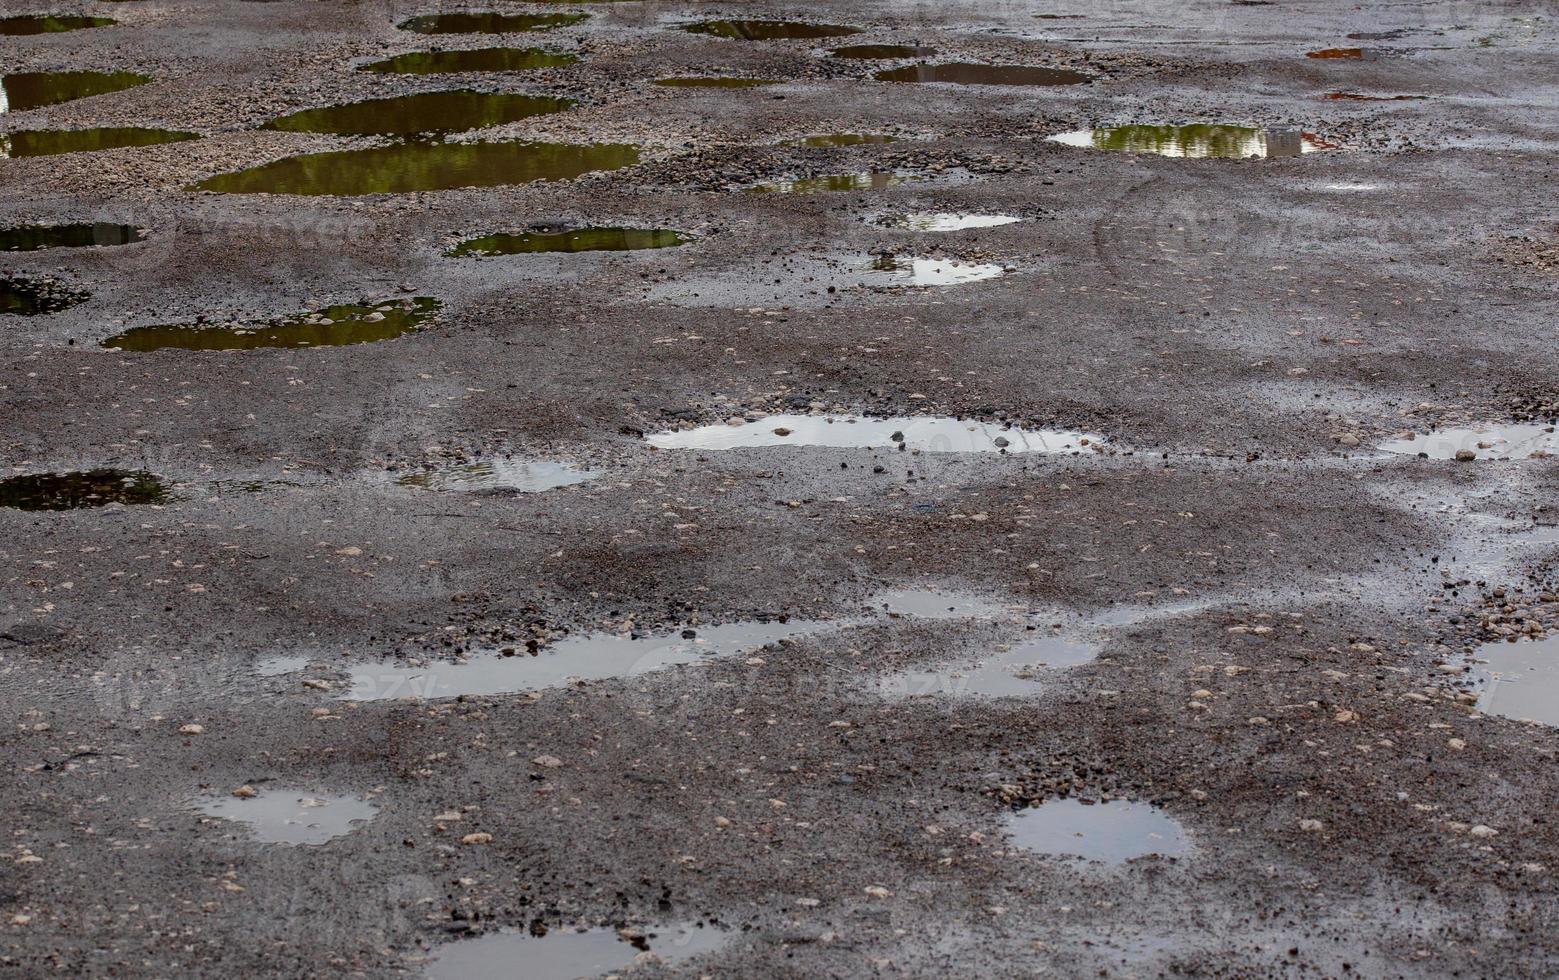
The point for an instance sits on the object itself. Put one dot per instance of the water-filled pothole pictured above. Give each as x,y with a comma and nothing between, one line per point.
403,168
898,270
929,434
476,59
565,954
1361,97
1010,672
713,81
944,221
1196,141
86,234
17,26
30,89
81,488
769,30
1112,832
282,817
968,73
571,240
488,23
881,52
1331,54
48,142
1519,680
425,112
932,603
844,139
499,476
32,297
1517,441
832,183
334,326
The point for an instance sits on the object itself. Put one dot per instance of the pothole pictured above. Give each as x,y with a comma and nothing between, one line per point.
943,220
20,91
282,817
86,234
81,488
35,297
488,23
564,954
1515,441
49,142
474,59
571,240
713,81
832,183
931,603
18,26
1361,97
1112,832
1518,680
334,326
1334,54
844,139
769,30
498,476
927,434
881,52
1012,670
1196,141
969,73
900,270
408,167
426,112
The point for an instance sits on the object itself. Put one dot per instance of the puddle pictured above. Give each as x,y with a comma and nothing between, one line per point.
714,81
1014,672
564,954
1197,141
1113,832
571,240
944,221
926,603
488,23
897,270
477,59
16,26
1485,442
47,142
881,52
30,89
334,326
427,112
769,30
277,817
1519,680
929,434
499,476
408,167
843,139
82,488
594,656
32,297
863,181
1366,54
35,238
281,666
966,73
1360,97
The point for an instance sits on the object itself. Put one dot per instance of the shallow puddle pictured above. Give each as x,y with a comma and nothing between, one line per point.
16,26
334,326
844,139
1113,832
478,59
31,89
488,23
713,81
929,434
499,475
1519,680
280,817
1014,672
571,240
928,603
427,112
944,221
47,142
82,488
964,73
408,167
881,52
769,30
1485,442
1197,141
33,297
594,656
35,238
831,183
895,270
281,666
1360,97
1366,54
566,954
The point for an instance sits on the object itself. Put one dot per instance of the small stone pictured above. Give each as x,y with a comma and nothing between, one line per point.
877,891
480,837
1483,830
1465,455
192,729
245,792
1457,744
1314,826
782,431
548,761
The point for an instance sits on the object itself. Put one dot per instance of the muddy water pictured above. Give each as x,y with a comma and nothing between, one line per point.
29,90
1012,672
427,112
17,26
478,59
499,476
844,139
899,270
565,954
832,183
930,434
881,52
1519,680
408,167
82,488
1332,54
572,240
48,142
284,817
933,603
34,238
33,297
1516,441
334,326
488,23
1112,832
976,74
1197,141
944,221
769,30
713,81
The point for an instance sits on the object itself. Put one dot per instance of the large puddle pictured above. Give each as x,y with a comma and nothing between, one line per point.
832,183
477,59
881,52
48,142
427,112
1197,141
1519,680
408,167
968,73
567,954
571,240
32,297
31,89
86,234
713,81
499,475
334,326
769,30
944,221
1484,442
899,270
280,817
488,23
1113,832
17,26
81,488
928,434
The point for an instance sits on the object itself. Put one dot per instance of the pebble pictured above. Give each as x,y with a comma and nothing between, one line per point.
548,761
480,837
192,729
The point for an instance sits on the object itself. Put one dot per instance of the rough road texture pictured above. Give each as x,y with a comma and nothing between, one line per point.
1243,331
